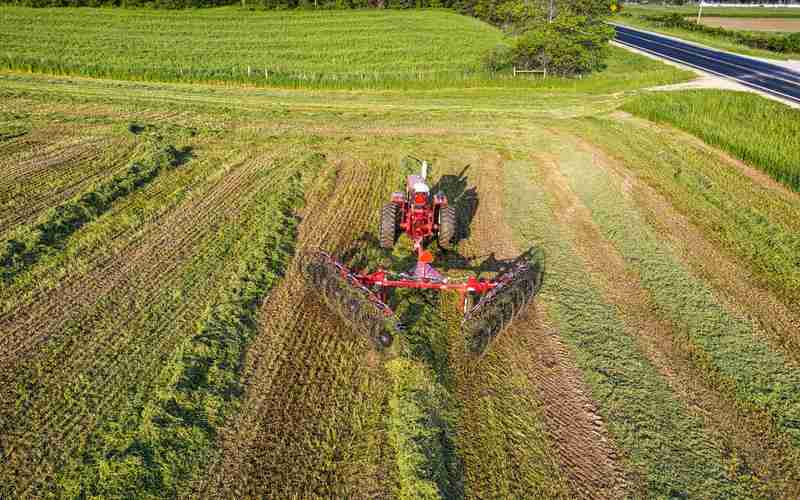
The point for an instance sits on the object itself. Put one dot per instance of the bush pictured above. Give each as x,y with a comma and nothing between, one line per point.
570,45
498,59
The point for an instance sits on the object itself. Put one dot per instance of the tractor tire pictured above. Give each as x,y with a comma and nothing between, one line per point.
388,229
447,227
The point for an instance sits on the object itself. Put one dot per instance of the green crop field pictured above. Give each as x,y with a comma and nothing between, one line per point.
362,48
161,337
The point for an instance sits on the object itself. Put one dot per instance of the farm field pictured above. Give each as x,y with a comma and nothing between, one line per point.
159,340
791,25
372,48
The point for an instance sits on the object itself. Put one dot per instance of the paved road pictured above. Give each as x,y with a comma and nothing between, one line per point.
754,73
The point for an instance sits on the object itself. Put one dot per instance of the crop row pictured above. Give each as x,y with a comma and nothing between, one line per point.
746,217
729,349
527,425
312,416
666,445
71,176
201,384
170,283
26,245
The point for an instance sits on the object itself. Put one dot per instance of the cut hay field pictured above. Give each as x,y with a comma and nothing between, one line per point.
791,25
159,340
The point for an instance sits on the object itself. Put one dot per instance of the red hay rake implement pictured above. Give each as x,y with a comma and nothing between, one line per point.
361,299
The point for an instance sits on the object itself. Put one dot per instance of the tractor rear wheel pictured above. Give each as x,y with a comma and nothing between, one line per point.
388,229
447,227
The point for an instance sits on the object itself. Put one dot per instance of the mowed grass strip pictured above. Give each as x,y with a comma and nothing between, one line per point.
84,380
657,435
163,444
229,44
725,346
754,223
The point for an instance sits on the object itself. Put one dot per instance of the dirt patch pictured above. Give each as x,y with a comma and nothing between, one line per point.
738,432
753,23
585,451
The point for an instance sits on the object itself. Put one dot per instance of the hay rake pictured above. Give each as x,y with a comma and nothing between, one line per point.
361,299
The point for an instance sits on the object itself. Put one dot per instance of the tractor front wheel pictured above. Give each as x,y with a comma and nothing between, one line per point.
447,227
388,229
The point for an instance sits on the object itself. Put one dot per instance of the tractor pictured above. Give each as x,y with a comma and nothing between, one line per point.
361,298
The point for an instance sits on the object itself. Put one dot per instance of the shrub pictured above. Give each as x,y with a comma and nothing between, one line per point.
498,58
568,46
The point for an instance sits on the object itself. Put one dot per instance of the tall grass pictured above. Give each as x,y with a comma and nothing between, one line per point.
763,133
355,48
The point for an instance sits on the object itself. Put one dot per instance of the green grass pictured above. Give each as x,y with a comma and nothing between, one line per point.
764,133
725,346
322,416
751,222
332,48
160,447
427,49
660,438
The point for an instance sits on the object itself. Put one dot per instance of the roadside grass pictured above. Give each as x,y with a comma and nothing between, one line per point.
717,42
727,120
666,445
412,50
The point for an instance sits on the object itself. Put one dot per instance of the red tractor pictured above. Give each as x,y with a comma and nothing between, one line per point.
362,299
419,214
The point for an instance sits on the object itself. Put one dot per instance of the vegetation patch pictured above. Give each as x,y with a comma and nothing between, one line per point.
725,347
178,429
727,120
374,48
662,441
27,245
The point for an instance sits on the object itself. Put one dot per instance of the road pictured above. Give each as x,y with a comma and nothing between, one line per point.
753,73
